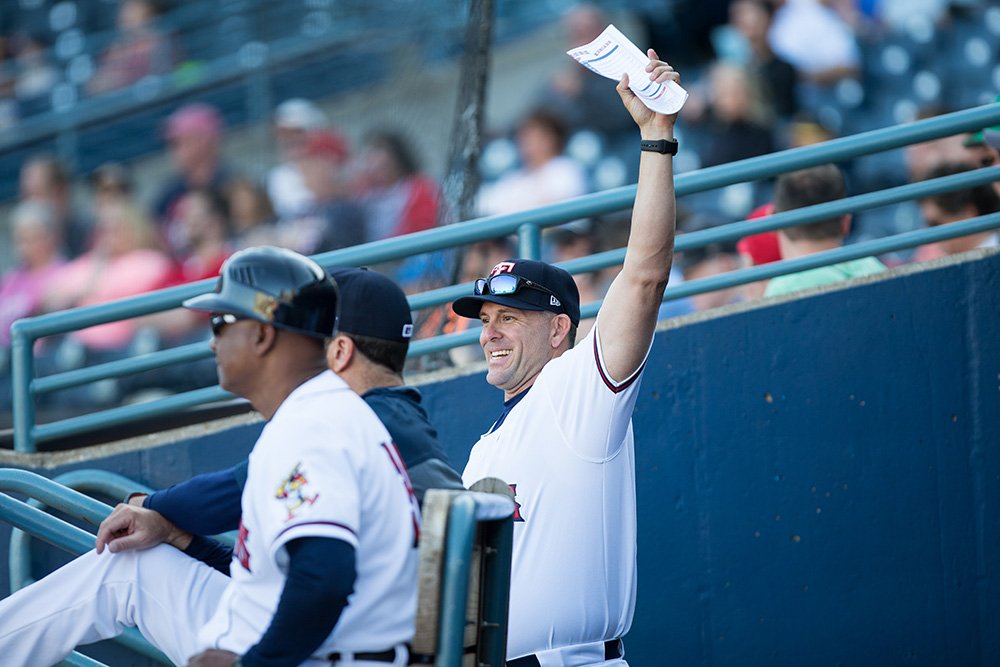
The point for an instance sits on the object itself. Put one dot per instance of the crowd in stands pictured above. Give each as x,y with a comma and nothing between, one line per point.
775,78
321,196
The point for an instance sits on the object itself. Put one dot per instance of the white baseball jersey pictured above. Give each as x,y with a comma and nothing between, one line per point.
324,466
566,449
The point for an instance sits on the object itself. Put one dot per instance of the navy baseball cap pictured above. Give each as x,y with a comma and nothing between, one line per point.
372,305
526,284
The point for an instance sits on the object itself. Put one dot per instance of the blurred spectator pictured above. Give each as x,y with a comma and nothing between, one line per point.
294,119
546,176
396,197
138,50
924,157
124,261
982,153
36,76
194,135
815,39
735,124
758,249
110,184
204,231
334,220
37,244
958,205
250,214
751,20
708,260
682,29
8,79
809,187
584,99
984,147
204,234
45,179
571,242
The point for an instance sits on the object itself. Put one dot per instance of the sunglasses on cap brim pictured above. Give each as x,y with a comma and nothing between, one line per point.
506,284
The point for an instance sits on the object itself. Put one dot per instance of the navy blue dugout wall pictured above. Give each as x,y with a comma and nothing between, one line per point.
818,478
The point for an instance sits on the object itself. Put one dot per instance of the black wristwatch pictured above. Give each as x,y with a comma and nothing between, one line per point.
664,146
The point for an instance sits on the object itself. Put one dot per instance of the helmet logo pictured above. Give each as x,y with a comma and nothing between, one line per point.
265,305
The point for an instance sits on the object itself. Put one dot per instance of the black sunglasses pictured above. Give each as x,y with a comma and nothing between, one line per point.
221,320
504,284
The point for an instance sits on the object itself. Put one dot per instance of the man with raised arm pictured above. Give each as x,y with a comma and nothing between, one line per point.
564,438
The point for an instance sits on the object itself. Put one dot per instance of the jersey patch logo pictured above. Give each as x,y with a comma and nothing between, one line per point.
240,551
294,492
517,505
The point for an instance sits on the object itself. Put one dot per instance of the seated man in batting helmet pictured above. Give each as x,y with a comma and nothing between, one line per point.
327,512
368,353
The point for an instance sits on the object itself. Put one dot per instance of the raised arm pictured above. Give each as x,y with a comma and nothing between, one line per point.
628,315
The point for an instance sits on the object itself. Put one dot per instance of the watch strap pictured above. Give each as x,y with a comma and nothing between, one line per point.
664,146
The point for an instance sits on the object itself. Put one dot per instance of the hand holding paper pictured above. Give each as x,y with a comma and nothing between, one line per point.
613,54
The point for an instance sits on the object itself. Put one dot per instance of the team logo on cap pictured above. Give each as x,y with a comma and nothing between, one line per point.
502,267
407,330
294,492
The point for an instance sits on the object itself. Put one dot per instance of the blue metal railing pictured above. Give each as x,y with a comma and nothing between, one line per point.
527,225
473,519
61,534
94,481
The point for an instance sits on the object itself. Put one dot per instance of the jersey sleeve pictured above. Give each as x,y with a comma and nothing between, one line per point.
315,492
207,504
593,410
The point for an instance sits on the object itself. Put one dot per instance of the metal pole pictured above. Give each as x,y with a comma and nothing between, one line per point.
529,239
22,375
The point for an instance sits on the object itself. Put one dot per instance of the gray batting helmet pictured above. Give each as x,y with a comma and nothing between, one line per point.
275,286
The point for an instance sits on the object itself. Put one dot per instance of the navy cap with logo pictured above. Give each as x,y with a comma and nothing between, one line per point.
372,305
525,284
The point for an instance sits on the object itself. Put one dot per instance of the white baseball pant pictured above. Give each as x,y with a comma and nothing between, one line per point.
166,594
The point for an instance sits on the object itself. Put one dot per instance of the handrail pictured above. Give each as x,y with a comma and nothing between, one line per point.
59,533
25,332
736,230
92,480
462,523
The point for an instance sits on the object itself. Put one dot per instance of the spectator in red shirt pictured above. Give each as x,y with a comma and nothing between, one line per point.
396,197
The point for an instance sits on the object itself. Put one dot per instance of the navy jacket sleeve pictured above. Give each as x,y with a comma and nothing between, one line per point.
207,504
212,553
321,575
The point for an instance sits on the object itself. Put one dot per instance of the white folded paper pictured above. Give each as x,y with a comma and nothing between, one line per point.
613,54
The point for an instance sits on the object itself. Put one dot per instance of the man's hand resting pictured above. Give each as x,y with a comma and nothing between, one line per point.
130,527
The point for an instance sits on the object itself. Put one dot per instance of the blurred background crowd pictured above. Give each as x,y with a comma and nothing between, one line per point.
143,141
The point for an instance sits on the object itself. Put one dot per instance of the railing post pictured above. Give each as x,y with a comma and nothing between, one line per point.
22,375
455,585
529,238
